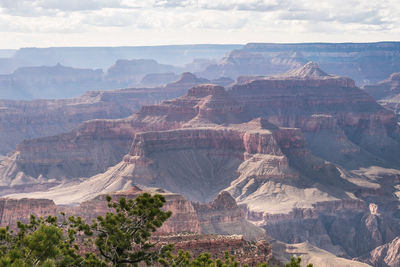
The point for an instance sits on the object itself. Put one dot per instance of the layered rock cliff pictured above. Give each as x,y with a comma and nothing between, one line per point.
184,218
21,120
14,210
385,255
222,216
323,105
366,63
130,72
387,92
157,79
305,154
49,82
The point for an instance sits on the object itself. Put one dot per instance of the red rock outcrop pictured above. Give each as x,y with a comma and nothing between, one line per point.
222,216
21,120
13,210
316,102
96,145
92,147
87,150
199,162
291,148
385,255
244,251
184,218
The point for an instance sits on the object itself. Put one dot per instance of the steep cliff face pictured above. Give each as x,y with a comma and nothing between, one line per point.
240,62
389,87
366,63
325,106
342,227
298,152
189,227
13,210
21,120
90,148
385,255
199,162
184,218
158,79
130,72
222,216
387,92
49,82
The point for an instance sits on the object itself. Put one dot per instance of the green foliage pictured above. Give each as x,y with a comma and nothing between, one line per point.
41,242
133,220
296,263
120,238
184,259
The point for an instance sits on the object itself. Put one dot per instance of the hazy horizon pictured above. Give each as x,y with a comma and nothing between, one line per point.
192,44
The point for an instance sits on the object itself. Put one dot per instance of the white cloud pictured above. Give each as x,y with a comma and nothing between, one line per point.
76,5
249,5
189,21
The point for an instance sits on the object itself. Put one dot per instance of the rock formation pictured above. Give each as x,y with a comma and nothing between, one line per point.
308,156
310,254
14,210
222,216
385,255
104,57
189,228
387,92
244,251
131,72
157,79
366,63
48,82
20,120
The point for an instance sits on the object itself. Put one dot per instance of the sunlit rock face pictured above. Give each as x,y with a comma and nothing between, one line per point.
14,210
21,120
307,156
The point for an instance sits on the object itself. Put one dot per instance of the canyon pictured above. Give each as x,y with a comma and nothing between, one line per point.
104,57
366,63
214,227
32,73
307,156
21,120
387,92
57,82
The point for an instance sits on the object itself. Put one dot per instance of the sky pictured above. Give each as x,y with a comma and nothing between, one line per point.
47,23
